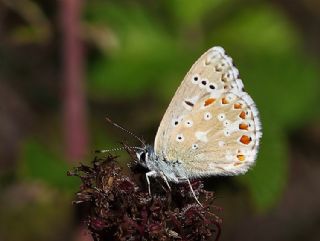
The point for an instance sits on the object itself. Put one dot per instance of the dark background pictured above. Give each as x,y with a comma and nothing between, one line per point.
65,65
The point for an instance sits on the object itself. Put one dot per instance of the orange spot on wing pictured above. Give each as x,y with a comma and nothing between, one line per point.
245,139
237,106
242,115
241,157
209,101
243,126
224,101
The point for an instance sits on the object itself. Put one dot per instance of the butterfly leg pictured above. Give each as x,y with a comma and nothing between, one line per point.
165,180
150,174
191,189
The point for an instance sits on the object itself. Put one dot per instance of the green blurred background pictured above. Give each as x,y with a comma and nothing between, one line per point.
65,65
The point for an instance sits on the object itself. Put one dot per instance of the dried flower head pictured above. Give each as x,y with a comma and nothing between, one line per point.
120,207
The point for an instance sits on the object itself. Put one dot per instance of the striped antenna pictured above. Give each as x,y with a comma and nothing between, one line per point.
119,149
125,130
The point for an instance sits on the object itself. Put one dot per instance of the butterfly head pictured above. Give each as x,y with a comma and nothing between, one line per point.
171,170
144,154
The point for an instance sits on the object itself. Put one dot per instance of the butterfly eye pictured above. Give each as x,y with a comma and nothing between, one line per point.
180,138
142,156
195,79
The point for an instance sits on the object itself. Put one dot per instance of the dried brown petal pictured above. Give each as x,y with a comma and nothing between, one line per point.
121,209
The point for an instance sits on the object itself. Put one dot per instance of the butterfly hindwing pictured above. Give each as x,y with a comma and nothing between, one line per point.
211,125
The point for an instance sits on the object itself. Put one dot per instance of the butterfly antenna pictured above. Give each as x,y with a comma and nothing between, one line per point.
110,150
119,149
125,130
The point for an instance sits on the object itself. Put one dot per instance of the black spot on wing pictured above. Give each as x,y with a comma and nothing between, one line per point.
189,103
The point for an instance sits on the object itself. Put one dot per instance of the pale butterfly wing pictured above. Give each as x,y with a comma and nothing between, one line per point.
211,125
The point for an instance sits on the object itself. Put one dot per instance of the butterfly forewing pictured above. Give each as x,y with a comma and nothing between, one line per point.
211,125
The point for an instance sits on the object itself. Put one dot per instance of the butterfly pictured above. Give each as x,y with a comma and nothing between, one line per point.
211,127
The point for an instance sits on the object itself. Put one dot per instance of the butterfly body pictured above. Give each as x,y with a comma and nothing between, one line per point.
173,171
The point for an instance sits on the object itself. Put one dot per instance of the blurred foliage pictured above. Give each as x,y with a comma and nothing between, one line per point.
193,12
35,26
33,211
39,163
131,66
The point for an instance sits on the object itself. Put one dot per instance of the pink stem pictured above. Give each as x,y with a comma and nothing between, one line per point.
75,119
